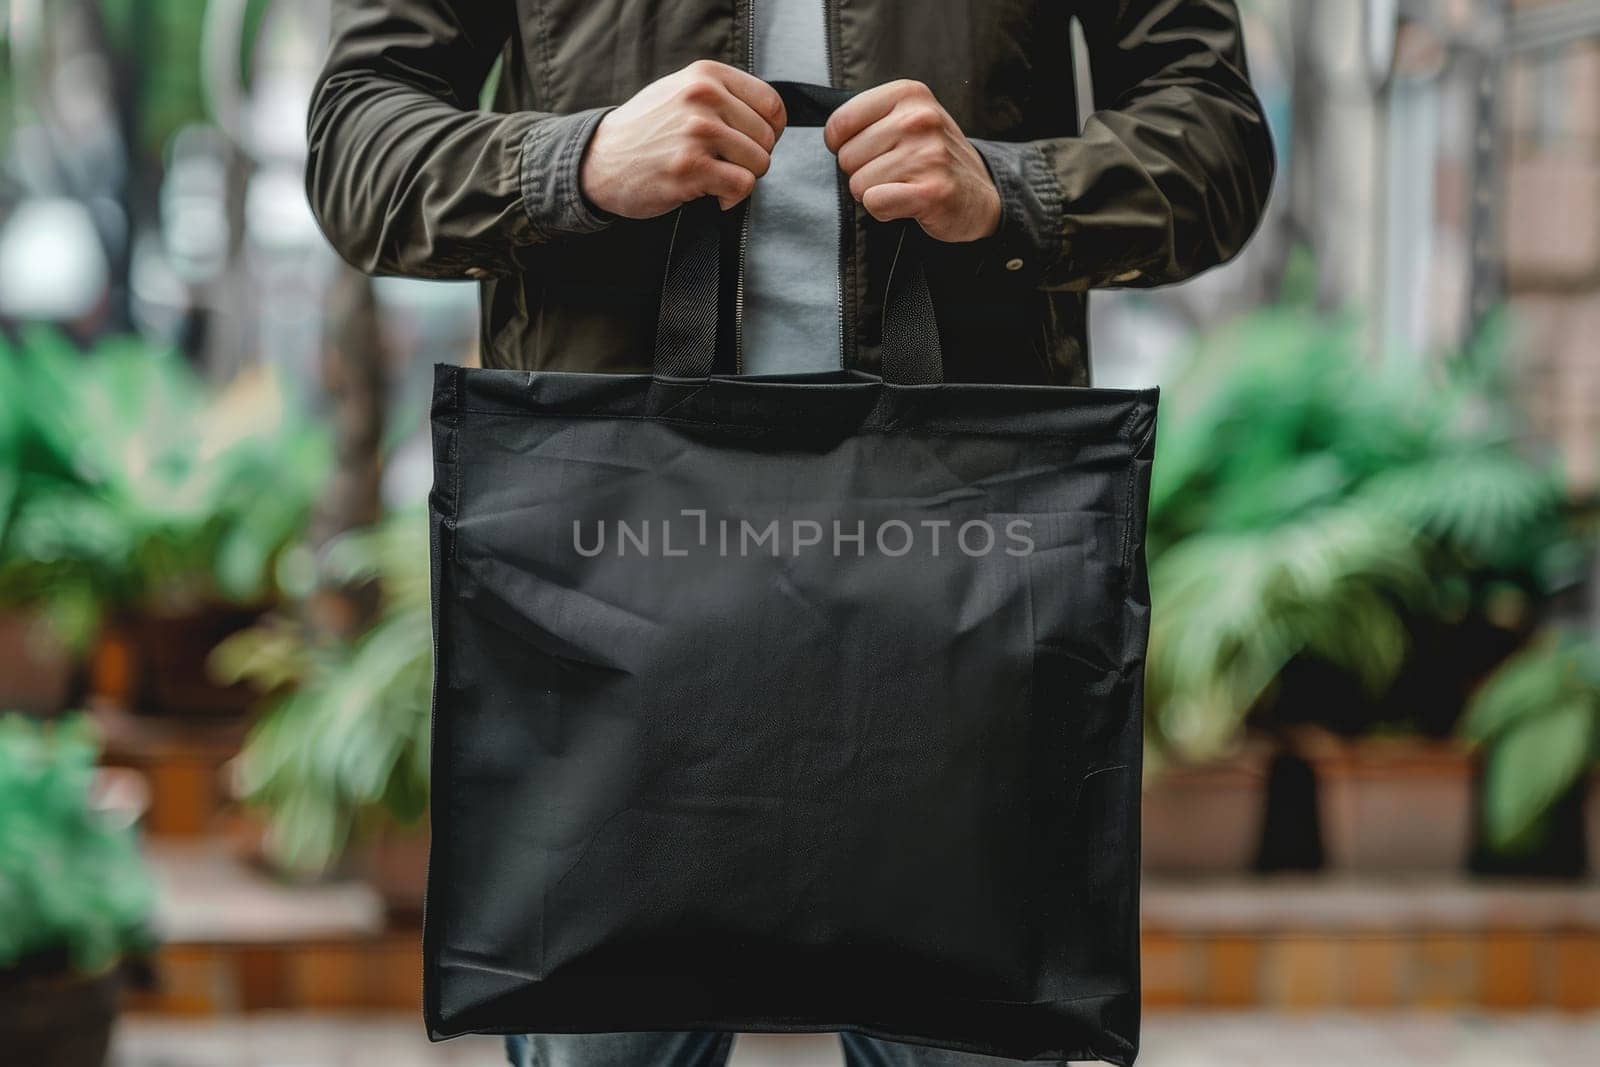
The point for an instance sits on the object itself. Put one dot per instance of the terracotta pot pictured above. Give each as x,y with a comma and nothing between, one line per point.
59,1020
1392,804
35,669
395,863
157,663
1205,818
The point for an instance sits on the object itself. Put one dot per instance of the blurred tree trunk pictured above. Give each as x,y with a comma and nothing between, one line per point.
122,94
355,375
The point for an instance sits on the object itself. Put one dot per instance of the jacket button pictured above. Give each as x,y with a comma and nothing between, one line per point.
1013,264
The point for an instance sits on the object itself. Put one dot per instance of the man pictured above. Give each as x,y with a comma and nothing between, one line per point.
610,114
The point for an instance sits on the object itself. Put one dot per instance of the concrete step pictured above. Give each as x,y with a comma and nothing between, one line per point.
1170,1040
1318,943
237,939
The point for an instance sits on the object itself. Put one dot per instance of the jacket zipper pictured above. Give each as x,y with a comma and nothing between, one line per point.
744,222
846,202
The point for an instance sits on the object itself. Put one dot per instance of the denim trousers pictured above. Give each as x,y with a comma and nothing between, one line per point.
704,1049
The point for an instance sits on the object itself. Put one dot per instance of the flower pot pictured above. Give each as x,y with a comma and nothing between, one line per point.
1392,805
35,669
63,1020
1205,818
157,663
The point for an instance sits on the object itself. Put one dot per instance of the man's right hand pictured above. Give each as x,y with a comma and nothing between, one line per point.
707,130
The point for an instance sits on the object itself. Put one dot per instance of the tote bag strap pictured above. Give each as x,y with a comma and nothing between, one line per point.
686,333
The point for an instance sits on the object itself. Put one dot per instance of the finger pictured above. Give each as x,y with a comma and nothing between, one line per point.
729,144
728,182
744,118
861,111
874,141
896,200
896,165
760,97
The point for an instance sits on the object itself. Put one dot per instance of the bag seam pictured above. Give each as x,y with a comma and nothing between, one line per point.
756,430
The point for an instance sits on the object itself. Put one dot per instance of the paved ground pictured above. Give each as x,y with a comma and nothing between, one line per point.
1170,1041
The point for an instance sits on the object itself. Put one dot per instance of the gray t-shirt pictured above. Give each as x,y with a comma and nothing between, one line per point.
791,296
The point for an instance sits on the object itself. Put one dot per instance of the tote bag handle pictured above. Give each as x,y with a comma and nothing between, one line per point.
686,333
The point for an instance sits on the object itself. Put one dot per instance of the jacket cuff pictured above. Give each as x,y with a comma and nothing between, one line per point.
552,153
1028,244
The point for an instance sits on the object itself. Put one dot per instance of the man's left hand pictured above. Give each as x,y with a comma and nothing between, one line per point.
907,159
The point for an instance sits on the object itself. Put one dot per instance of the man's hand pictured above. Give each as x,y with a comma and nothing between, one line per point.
707,130
907,159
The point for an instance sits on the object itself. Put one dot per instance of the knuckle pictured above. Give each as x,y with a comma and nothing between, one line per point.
683,164
701,127
922,118
698,91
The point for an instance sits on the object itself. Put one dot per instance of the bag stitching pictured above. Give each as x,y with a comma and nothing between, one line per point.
753,430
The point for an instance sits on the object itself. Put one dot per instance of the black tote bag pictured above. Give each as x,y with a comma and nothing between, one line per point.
787,704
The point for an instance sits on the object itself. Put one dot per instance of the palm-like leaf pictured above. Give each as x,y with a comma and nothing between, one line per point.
69,879
127,483
351,741
1539,718
1232,609
1305,500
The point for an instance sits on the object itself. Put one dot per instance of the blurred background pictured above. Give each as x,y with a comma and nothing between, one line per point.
1372,813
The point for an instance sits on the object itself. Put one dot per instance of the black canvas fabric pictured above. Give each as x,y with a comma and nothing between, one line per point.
788,704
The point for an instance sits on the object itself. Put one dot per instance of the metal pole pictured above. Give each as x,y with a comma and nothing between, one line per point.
1486,287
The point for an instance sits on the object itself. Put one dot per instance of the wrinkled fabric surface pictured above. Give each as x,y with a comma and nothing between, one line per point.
409,175
704,760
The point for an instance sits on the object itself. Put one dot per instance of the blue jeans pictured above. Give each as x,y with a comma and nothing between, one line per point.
697,1049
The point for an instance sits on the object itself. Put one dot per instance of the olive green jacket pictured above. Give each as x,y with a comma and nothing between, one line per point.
409,175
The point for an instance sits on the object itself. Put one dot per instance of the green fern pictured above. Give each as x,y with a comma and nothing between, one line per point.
70,880
1232,609
126,483
349,744
1306,500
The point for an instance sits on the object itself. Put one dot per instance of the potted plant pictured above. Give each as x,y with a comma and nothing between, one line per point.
75,898
1312,513
1391,803
1204,816
340,754
36,670
143,514
1538,721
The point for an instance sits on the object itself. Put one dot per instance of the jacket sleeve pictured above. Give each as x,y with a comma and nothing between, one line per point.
1168,177
405,174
